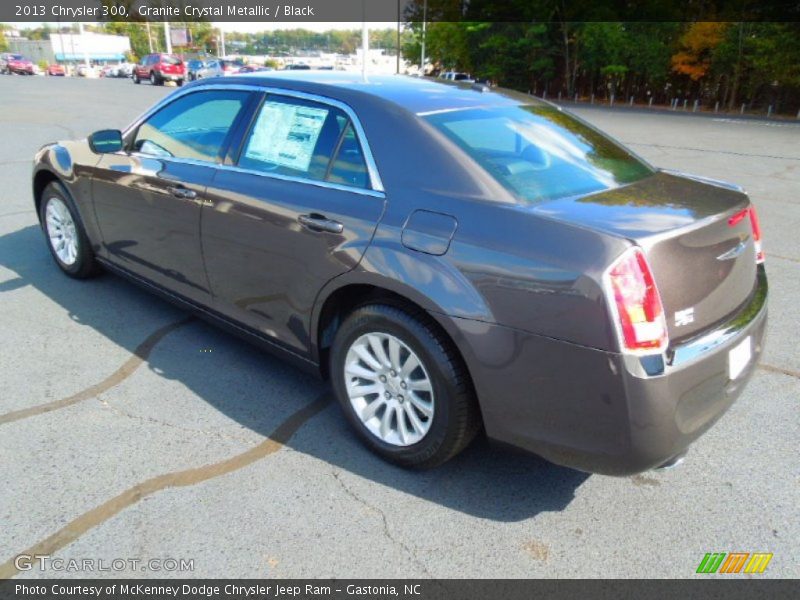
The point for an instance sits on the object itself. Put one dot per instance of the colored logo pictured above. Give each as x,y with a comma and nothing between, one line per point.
734,562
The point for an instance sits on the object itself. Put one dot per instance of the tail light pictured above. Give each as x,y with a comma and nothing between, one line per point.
636,304
756,226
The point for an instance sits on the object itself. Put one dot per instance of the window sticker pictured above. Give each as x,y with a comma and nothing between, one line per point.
286,135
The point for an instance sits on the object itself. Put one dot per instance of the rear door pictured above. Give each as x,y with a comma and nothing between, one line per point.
148,200
297,206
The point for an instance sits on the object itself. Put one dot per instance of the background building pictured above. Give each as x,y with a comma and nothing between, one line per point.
74,48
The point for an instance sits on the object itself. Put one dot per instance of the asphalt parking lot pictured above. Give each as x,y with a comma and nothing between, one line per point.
128,431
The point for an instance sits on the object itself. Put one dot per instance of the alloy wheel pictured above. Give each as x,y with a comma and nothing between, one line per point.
61,231
389,388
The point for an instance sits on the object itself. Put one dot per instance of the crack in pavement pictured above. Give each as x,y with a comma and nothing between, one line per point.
386,531
780,370
188,477
140,355
153,421
19,212
789,258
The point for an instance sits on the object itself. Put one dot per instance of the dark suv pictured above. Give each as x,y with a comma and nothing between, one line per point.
158,68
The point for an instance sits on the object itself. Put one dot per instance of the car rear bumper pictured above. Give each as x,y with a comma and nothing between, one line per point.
600,411
172,76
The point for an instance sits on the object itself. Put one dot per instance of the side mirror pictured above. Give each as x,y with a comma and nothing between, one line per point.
105,141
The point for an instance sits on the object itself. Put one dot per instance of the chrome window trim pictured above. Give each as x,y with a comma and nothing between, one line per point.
376,184
316,182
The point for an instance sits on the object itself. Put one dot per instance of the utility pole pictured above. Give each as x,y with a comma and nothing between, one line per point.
398,37
149,36
424,28
364,49
83,43
222,42
167,36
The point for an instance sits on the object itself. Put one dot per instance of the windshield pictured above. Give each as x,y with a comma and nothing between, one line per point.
538,152
16,57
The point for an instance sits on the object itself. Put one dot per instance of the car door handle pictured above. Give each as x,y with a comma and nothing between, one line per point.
182,192
316,222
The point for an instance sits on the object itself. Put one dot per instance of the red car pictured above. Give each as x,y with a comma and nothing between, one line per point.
16,63
158,68
56,70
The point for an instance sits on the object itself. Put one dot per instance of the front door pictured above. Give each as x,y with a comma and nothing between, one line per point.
149,199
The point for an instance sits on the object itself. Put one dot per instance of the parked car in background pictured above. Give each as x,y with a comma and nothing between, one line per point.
453,259
56,70
297,67
88,71
16,64
218,67
159,68
254,68
121,70
193,66
455,76
125,69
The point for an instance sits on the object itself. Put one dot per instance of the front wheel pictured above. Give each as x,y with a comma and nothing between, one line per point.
136,79
66,237
403,386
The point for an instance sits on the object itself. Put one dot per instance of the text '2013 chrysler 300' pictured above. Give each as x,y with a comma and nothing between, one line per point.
453,258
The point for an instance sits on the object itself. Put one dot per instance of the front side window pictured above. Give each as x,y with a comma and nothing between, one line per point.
304,139
540,153
194,126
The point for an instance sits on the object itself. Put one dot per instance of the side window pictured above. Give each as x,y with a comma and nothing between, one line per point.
194,126
348,166
293,137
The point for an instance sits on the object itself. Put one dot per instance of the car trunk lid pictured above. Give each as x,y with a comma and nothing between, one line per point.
699,245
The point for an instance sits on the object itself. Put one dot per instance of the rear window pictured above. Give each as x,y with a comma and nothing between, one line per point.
168,59
540,153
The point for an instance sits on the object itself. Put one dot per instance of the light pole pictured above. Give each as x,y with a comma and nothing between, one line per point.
364,43
167,36
424,27
398,37
83,43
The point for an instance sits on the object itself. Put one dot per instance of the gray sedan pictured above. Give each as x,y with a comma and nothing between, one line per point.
454,259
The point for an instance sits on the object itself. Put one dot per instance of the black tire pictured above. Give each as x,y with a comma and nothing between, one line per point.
154,80
85,264
456,417
136,79
179,82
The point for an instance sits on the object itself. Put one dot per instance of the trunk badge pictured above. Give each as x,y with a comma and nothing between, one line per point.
684,317
736,250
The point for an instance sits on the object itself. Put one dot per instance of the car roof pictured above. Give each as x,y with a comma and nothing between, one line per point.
422,96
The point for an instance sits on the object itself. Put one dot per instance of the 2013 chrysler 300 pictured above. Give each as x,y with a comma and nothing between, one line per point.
452,257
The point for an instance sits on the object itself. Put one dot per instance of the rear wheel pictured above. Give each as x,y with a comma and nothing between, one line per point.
403,386
66,237
154,79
